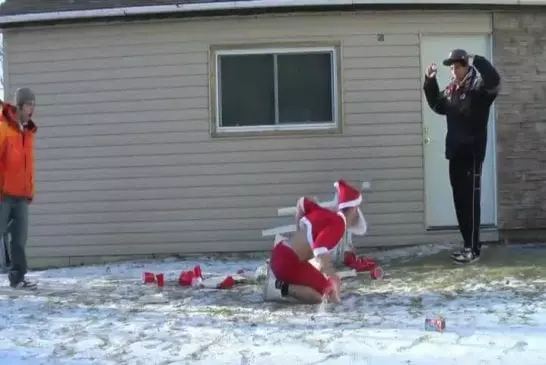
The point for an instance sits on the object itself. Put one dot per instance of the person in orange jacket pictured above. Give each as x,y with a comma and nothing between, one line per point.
17,132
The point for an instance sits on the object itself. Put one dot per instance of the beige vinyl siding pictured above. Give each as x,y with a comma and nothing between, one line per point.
125,160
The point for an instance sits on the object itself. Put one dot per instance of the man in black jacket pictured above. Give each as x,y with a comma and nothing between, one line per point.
466,103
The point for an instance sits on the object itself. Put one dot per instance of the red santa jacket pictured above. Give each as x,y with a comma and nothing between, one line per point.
325,228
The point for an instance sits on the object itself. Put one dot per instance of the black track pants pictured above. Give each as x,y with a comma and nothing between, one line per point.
465,174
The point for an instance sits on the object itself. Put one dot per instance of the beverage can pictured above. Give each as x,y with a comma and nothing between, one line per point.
377,273
435,324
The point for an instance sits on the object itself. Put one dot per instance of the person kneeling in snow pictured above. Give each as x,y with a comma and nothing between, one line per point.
290,274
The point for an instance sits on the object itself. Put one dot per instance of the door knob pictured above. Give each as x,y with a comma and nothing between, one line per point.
427,140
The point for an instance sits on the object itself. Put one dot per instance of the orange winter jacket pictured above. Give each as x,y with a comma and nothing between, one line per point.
16,155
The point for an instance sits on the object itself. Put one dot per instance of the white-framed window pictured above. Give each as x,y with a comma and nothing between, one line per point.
276,89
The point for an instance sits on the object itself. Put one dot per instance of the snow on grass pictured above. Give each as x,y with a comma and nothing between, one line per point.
411,252
495,315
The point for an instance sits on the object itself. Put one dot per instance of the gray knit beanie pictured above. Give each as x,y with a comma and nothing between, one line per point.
24,96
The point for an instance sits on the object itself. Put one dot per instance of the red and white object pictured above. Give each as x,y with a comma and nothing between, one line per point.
160,278
222,282
349,197
377,273
330,204
324,228
363,264
195,279
151,278
148,278
191,278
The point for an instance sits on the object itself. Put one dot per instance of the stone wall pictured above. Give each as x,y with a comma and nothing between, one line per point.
520,55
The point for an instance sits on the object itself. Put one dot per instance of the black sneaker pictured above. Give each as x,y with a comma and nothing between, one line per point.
24,285
467,256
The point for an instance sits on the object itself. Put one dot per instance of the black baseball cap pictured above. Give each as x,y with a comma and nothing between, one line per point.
457,55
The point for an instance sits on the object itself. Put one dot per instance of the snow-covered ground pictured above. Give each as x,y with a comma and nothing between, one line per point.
104,316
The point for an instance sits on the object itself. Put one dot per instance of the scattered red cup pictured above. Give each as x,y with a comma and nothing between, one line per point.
186,278
227,283
160,280
149,278
197,272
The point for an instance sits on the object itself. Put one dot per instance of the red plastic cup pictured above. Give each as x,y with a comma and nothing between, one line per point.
227,283
160,280
186,278
197,272
349,259
149,277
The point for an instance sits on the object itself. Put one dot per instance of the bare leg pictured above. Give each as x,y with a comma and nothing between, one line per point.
304,294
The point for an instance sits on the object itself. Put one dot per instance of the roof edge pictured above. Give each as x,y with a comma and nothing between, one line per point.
235,5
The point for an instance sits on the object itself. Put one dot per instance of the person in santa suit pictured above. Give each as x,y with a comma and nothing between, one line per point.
290,272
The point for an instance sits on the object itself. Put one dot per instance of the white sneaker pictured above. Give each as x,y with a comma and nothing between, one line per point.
467,256
271,292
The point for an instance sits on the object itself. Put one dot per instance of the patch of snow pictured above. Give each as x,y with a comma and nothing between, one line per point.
411,252
110,317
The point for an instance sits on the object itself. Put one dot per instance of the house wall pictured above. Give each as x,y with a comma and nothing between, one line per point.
519,54
126,163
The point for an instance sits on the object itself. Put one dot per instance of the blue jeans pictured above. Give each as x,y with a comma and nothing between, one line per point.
16,209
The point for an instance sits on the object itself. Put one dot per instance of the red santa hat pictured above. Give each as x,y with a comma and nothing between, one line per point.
348,197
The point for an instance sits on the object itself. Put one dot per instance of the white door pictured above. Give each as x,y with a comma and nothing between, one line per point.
439,209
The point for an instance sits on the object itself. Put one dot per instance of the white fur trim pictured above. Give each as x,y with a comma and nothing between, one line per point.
351,203
320,251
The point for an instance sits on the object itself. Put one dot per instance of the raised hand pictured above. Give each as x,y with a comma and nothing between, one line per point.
431,71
